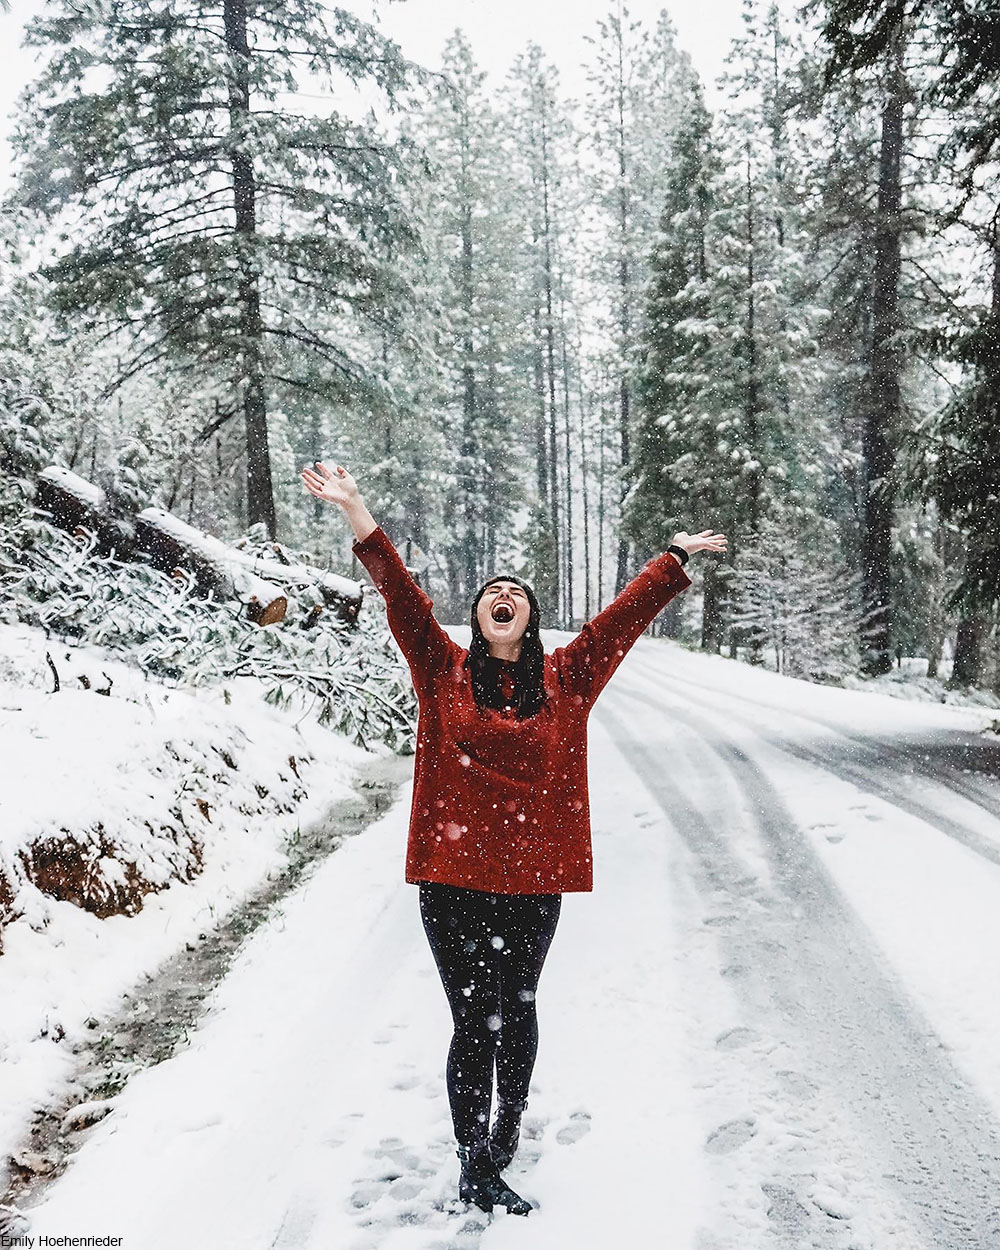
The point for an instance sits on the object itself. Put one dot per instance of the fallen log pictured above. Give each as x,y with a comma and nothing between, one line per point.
217,567
167,543
159,531
6,902
342,593
76,504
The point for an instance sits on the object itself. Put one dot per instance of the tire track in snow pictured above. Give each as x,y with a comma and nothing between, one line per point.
872,774
810,974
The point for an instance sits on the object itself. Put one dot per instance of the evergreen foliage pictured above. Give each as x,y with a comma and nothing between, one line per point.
793,597
349,677
472,234
672,374
545,336
202,215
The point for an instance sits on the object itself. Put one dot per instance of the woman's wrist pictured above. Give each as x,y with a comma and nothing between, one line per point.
361,520
680,552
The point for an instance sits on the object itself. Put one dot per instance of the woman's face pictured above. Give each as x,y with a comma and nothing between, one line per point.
503,613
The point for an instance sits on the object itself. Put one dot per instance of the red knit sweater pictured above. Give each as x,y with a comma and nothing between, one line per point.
501,804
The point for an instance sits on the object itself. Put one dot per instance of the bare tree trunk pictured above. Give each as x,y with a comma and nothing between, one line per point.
624,319
260,493
568,545
995,650
470,544
970,635
752,408
711,615
882,416
935,614
601,507
584,477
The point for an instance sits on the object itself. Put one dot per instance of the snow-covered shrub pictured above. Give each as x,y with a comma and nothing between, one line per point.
793,597
348,675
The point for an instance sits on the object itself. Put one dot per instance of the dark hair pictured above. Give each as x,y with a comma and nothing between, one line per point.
529,670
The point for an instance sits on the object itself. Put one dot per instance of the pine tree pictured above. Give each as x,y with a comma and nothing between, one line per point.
633,92
211,227
547,193
882,410
792,596
954,459
670,379
472,238
671,479
731,322
948,443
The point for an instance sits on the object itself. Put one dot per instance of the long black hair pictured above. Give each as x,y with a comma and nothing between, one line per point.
528,670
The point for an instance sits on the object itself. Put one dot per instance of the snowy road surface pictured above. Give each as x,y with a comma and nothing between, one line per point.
773,1024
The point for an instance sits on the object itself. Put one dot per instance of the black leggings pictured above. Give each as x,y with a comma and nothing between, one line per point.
489,949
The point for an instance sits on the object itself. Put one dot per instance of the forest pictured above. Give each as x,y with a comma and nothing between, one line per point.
548,329
544,333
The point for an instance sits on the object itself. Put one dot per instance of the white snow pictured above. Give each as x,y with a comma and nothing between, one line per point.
86,492
309,1109
75,757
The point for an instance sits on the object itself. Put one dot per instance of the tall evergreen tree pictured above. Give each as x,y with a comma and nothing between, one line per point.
549,203
633,94
666,484
473,237
727,380
210,226
883,388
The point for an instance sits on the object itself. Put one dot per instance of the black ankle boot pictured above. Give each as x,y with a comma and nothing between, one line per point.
482,1184
505,1132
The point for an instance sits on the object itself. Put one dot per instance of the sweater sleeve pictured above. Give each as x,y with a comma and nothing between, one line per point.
421,639
586,663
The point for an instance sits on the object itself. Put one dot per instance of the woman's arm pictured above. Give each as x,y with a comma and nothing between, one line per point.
409,610
586,664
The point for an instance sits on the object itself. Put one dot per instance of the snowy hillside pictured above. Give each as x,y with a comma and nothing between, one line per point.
130,823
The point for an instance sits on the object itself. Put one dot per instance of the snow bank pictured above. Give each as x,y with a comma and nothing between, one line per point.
155,808
112,796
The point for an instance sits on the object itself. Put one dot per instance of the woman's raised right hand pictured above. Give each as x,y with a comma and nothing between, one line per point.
334,485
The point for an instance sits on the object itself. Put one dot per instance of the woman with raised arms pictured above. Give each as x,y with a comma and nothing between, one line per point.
499,823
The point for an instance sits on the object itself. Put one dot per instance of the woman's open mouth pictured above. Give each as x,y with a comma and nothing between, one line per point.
502,613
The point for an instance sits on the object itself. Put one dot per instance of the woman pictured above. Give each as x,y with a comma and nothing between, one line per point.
499,822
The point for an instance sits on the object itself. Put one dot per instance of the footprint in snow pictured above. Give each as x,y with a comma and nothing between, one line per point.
785,1209
402,1190
577,1127
734,1038
365,1195
719,922
797,1084
407,1080
533,1128
730,1136
397,1159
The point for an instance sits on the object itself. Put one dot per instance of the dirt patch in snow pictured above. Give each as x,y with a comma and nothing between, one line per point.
158,1015
6,903
94,874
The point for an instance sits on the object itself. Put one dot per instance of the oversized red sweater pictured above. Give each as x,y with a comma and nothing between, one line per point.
501,804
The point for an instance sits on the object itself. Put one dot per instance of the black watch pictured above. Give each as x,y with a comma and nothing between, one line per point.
679,552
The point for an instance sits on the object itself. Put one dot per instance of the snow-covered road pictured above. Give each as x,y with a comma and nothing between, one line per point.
773,1024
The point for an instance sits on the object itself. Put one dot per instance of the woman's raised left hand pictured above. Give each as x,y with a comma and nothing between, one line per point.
707,540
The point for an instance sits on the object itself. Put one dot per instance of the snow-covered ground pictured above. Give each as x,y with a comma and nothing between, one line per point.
77,759
773,1022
